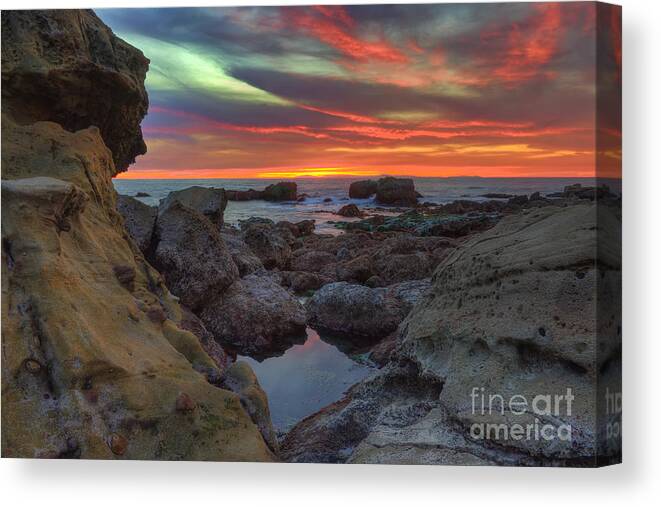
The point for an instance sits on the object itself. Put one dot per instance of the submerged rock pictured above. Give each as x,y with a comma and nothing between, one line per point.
256,317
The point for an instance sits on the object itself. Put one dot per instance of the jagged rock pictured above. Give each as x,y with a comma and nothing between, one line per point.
256,317
246,261
362,314
362,189
267,243
350,210
139,220
211,202
100,356
282,191
396,191
66,66
191,255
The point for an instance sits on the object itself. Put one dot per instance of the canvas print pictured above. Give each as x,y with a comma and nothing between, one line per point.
383,234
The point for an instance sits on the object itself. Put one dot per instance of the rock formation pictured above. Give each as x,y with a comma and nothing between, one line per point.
511,311
362,189
68,67
98,361
396,191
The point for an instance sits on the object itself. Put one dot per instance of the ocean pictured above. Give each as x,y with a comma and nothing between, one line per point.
317,206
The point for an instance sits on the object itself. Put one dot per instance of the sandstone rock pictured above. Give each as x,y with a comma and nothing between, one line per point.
191,255
282,191
255,317
396,191
362,189
63,307
350,210
67,67
361,314
240,379
139,220
210,202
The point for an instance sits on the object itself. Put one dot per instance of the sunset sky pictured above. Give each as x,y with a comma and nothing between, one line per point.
426,90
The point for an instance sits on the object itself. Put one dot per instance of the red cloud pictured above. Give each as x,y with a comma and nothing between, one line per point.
332,27
532,45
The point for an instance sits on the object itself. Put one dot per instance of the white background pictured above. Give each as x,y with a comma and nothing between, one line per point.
637,481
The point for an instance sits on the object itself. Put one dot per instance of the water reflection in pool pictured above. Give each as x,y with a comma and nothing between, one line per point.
305,379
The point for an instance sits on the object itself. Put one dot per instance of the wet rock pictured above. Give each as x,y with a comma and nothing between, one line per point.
519,200
142,194
139,220
68,67
298,229
191,255
361,314
362,189
256,317
350,210
282,191
210,202
495,195
396,191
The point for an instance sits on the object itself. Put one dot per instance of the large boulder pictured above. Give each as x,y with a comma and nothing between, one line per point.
362,314
191,255
362,189
66,66
396,191
211,202
139,220
282,191
256,317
